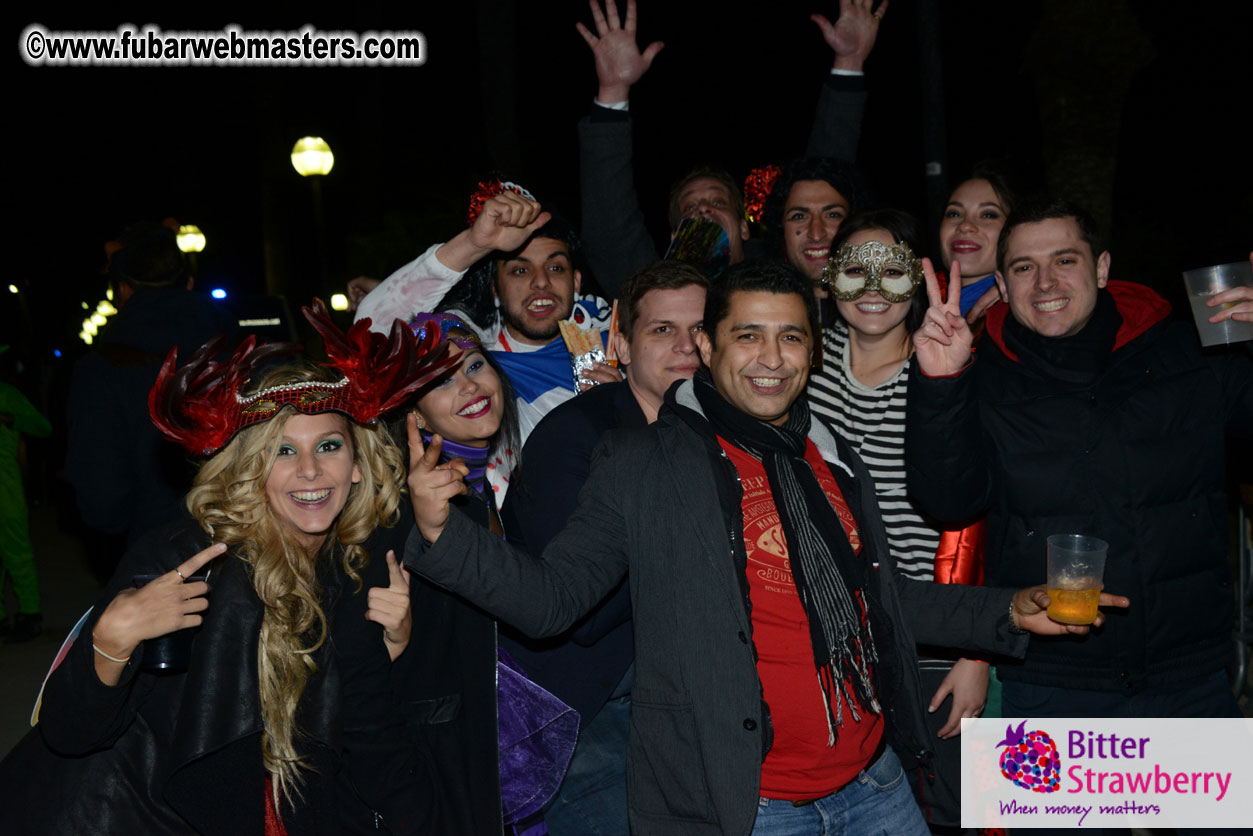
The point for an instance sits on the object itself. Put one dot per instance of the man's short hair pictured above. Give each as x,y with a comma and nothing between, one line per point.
839,175
758,275
699,173
660,275
1047,209
149,257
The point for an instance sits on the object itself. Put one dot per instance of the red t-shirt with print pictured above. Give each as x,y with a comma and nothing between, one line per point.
800,765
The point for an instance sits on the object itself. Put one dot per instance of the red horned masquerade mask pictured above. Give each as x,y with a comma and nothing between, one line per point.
200,406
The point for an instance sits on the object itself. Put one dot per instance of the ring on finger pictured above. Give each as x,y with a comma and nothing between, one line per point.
181,576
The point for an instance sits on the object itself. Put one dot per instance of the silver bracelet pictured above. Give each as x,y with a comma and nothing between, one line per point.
107,656
1013,626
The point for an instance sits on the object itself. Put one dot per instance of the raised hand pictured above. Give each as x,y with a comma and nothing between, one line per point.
619,62
504,224
599,373
432,484
968,683
1236,302
161,606
852,36
389,606
942,343
506,221
1030,605
358,289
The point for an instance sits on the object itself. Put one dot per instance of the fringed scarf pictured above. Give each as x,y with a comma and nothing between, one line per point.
826,571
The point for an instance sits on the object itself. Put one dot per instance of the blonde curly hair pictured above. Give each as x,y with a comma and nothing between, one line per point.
228,498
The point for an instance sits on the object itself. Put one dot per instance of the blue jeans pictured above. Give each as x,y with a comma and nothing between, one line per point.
592,800
877,803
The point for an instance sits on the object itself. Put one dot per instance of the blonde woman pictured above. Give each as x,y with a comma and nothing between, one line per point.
246,738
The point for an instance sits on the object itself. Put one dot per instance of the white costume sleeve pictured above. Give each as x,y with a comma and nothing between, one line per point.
414,288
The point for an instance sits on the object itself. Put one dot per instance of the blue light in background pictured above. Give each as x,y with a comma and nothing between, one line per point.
218,293
56,352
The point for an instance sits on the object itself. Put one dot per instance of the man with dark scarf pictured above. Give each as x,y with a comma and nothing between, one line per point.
774,641
1086,411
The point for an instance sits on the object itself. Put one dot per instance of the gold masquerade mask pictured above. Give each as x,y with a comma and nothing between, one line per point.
895,272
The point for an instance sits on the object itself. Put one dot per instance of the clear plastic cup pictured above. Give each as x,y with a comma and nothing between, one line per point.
1204,282
1076,569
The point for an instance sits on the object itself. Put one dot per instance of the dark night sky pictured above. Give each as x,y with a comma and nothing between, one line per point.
100,147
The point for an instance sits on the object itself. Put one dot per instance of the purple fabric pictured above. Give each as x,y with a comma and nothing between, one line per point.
475,459
537,733
447,322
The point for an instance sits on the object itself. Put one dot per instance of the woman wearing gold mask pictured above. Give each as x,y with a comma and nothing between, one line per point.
875,280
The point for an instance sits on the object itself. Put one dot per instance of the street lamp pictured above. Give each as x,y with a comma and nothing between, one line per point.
312,156
190,238
190,241
312,159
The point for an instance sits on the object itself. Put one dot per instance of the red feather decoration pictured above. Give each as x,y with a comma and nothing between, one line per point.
757,188
196,405
382,371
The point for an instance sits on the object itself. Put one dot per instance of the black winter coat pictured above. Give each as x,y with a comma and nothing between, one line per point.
181,753
1135,457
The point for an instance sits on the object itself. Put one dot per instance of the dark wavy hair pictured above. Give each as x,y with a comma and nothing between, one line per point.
474,295
903,227
840,175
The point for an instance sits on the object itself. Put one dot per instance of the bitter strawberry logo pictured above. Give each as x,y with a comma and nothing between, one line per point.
1030,759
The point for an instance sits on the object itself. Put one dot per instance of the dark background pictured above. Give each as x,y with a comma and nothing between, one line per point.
1137,109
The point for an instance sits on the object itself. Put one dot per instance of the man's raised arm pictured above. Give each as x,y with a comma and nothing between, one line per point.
539,596
504,224
614,234
836,132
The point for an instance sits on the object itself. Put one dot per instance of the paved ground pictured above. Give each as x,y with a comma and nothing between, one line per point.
66,588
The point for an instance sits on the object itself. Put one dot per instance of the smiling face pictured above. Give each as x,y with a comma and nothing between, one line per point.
811,217
870,314
313,471
707,197
536,290
1052,277
972,222
662,348
760,354
466,407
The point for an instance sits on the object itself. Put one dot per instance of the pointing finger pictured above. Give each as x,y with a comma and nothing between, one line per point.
416,448
430,459
190,566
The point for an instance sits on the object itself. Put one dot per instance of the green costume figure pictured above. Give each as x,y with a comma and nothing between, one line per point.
17,560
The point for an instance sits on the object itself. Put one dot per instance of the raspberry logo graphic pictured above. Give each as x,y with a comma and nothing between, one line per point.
1030,759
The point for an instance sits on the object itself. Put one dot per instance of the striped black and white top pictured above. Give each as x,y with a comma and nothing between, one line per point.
872,419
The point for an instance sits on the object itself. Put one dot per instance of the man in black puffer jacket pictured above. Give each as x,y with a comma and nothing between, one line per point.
1087,412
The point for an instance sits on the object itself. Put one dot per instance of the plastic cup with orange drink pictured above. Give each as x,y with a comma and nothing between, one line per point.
1076,566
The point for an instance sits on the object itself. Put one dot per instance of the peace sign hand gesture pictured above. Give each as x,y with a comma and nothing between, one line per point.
942,344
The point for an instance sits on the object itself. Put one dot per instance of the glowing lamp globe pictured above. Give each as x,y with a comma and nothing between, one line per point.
190,238
311,155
